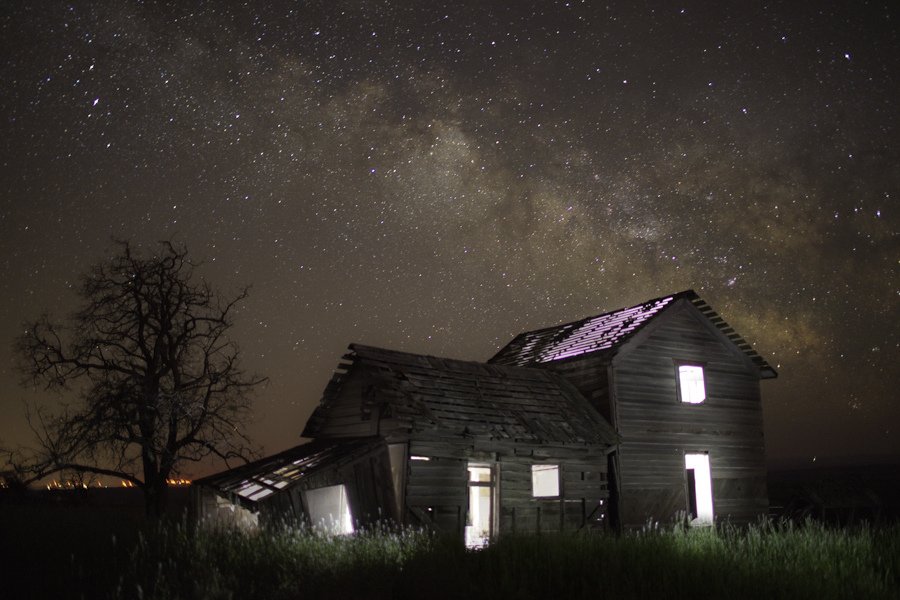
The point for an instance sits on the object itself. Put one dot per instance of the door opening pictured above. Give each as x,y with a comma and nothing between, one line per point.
329,509
480,517
699,488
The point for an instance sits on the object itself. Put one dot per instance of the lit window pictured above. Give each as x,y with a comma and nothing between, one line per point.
545,481
329,509
690,384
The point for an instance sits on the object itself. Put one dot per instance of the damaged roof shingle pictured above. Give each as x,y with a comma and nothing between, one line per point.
608,332
259,479
471,398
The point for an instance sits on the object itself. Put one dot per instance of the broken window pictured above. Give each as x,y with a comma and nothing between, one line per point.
691,387
545,481
329,509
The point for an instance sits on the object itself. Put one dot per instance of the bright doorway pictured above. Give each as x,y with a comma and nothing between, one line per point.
329,509
480,518
699,488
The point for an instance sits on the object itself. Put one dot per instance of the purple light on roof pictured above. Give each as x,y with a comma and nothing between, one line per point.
599,333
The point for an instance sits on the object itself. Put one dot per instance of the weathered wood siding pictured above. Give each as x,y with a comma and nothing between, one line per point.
582,503
437,489
657,429
589,374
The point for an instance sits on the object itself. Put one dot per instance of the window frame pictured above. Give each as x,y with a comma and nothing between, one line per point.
548,467
342,523
678,385
472,539
708,516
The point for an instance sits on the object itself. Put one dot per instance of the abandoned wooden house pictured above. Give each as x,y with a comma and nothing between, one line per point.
642,414
426,440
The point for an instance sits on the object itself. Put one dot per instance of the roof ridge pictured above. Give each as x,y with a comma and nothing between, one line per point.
608,331
362,349
682,294
569,339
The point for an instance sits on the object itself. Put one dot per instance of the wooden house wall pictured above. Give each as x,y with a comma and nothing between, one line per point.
582,503
589,374
437,489
657,429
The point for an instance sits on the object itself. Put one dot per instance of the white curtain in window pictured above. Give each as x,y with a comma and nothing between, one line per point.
690,378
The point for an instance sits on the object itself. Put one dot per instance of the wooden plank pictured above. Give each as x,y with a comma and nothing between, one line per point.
434,501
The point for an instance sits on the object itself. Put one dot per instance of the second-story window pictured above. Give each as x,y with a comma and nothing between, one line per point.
691,387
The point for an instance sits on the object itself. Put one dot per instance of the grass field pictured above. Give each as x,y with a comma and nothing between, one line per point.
54,554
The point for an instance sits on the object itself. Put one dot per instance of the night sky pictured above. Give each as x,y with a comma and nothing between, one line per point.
437,177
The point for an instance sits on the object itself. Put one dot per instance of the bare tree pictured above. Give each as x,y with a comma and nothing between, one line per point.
158,380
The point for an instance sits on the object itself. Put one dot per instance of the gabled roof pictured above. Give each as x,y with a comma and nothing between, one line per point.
257,480
465,398
608,332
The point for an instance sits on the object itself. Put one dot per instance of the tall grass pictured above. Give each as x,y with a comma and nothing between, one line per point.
769,560
765,561
179,561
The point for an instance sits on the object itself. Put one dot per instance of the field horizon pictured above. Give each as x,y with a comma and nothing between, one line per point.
97,544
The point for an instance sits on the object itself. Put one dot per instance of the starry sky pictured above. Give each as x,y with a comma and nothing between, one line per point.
436,177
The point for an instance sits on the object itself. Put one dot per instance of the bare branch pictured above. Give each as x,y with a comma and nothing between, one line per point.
158,379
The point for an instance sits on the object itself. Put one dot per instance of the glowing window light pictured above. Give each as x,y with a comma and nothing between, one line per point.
422,458
480,474
700,501
690,381
329,509
480,513
545,481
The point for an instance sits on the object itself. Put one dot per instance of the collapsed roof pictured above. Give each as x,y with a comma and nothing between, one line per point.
609,331
466,398
260,479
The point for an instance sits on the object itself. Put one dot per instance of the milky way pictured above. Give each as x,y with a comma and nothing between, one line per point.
436,178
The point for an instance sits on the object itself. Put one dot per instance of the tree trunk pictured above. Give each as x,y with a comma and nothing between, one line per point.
156,490
156,497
